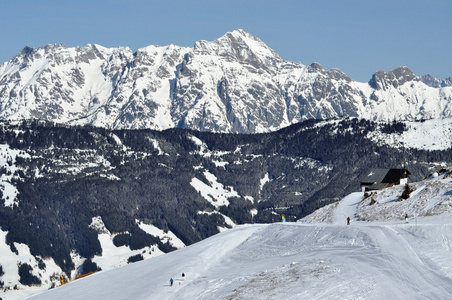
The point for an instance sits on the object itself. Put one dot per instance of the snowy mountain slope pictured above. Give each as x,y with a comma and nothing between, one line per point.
429,197
13,286
76,195
385,259
73,195
233,84
435,134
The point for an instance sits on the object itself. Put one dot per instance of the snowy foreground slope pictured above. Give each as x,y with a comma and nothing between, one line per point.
318,258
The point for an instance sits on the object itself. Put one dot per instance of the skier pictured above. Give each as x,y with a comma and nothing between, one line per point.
348,220
171,282
406,218
183,276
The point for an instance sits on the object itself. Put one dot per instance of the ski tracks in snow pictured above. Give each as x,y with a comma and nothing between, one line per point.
396,265
398,260
347,208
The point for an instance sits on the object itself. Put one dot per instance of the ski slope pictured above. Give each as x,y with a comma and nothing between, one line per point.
320,260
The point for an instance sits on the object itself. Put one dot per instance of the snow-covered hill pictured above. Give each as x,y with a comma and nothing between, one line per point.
429,197
233,84
379,256
78,199
435,134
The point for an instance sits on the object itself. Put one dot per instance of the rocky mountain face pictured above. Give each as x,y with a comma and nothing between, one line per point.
234,84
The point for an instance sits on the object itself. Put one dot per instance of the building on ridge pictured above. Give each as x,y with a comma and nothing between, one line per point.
377,179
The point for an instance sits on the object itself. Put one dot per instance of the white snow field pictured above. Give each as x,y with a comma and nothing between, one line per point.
311,259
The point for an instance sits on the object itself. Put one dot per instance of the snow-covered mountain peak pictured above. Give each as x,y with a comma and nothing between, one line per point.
315,66
90,52
382,80
327,75
54,55
244,39
436,83
238,46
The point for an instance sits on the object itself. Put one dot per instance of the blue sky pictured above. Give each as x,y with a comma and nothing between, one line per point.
359,37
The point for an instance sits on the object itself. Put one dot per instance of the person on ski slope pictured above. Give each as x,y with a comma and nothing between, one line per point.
171,282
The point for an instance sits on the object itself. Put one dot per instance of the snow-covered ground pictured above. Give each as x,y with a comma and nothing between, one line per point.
318,258
434,134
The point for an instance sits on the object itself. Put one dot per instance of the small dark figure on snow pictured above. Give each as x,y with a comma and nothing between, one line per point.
183,275
171,282
348,220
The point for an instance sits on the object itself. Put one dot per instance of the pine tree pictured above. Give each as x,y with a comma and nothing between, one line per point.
406,192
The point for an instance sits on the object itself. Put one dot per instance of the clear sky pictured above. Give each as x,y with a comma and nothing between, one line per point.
359,37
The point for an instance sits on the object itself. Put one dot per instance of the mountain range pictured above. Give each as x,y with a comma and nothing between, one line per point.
235,84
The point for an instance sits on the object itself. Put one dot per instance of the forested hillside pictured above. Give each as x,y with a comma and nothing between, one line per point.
56,179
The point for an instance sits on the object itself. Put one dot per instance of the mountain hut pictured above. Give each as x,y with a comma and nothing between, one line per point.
377,179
